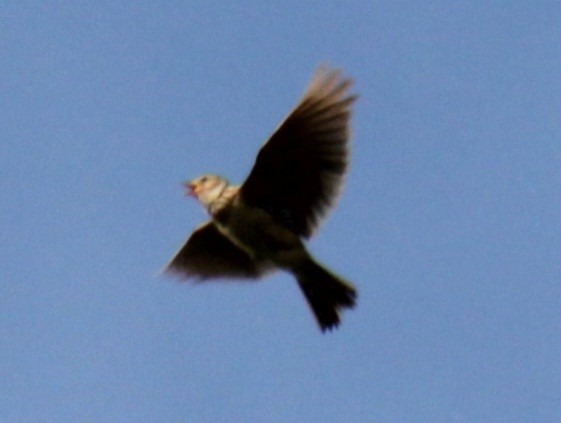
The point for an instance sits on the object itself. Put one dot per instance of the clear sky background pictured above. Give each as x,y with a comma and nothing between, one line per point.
449,224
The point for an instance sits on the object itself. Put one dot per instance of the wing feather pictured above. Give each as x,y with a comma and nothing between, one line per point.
299,171
207,253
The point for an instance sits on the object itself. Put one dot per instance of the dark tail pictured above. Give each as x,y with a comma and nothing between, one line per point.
325,292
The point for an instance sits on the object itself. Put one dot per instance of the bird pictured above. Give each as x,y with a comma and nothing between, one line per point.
261,225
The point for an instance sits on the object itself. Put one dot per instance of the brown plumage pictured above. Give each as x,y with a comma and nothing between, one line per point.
257,227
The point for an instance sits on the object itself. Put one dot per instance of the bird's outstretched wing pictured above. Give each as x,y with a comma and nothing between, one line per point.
299,170
209,254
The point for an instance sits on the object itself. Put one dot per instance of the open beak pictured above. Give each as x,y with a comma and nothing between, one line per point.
191,189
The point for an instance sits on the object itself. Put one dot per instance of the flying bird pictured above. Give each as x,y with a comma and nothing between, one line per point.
259,226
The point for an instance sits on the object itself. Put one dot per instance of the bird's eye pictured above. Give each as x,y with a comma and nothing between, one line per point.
203,179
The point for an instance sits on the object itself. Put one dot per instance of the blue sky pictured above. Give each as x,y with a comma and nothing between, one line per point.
449,224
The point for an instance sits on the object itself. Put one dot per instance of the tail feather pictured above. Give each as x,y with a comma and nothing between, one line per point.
325,292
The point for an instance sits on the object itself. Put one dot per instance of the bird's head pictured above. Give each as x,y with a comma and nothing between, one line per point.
206,188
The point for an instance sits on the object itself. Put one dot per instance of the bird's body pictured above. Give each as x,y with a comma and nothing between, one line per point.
258,226
256,232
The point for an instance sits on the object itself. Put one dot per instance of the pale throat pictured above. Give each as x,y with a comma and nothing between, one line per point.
208,197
